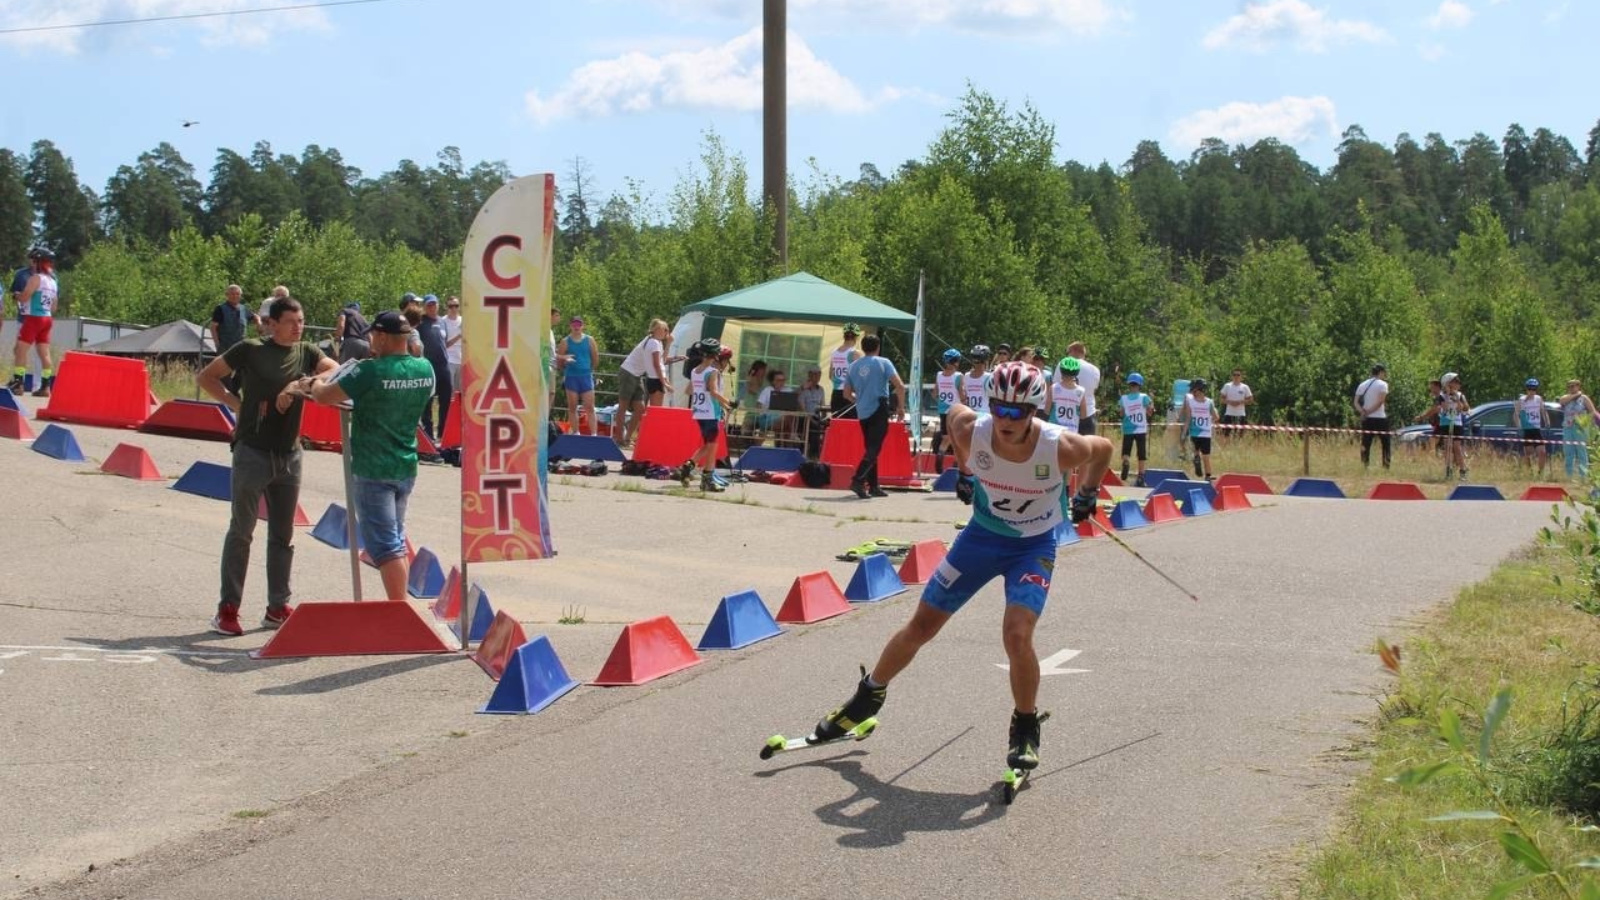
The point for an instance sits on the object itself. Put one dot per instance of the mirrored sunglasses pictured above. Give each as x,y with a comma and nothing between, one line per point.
1013,411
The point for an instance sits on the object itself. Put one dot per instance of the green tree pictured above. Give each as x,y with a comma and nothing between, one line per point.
16,211
65,208
1273,297
153,198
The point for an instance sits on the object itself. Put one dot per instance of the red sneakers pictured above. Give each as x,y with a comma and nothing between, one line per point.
273,621
226,621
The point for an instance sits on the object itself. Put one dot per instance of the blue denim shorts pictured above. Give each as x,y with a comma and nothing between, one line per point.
381,515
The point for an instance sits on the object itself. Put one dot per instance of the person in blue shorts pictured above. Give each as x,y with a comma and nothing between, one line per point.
1021,467
577,354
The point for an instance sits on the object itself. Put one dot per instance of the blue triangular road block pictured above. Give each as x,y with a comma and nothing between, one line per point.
10,402
58,443
534,679
1067,534
740,620
1315,487
207,480
1476,492
333,528
426,579
482,613
1126,515
947,480
874,579
1197,504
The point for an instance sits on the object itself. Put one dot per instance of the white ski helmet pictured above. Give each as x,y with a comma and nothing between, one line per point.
1018,382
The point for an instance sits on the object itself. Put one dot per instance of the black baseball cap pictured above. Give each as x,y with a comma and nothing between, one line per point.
391,322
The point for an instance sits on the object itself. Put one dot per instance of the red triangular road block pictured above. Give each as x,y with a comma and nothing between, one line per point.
646,651
1554,493
1231,497
922,559
812,598
347,628
447,606
301,520
131,461
1160,508
1095,525
499,643
425,444
14,426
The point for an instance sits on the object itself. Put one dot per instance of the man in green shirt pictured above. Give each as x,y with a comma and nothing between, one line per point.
389,392
274,374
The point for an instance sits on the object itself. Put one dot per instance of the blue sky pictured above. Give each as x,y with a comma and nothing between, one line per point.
631,85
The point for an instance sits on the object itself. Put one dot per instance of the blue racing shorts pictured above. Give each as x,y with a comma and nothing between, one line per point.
979,556
578,384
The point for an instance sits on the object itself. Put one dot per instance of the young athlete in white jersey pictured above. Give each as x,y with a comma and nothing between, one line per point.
708,405
1199,417
839,366
1137,409
972,383
1068,400
1021,466
946,389
1533,418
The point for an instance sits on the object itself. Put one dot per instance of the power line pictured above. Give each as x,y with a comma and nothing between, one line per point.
181,16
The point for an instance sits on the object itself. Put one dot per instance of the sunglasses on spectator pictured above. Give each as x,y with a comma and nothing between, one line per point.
1012,411
455,306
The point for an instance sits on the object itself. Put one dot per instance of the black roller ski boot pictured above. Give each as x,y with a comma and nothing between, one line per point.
855,712
1024,751
1197,470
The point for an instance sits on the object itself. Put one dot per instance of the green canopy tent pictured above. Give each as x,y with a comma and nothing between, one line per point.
791,323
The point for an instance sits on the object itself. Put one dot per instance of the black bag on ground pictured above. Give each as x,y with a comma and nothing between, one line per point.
814,474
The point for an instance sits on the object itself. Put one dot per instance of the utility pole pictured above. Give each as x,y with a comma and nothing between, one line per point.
775,125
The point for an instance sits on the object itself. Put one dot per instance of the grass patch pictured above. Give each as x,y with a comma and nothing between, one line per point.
456,734
174,381
252,814
1516,630
571,615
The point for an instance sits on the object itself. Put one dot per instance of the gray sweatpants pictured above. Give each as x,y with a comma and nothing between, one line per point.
257,474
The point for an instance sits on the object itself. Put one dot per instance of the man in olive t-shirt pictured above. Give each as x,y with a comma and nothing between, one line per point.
389,391
274,375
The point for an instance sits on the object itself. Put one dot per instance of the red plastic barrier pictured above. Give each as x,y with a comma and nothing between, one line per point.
502,639
668,436
1553,493
920,563
319,425
91,389
1161,508
452,424
189,419
1250,484
13,425
646,651
812,598
1230,498
131,461
843,445
352,629
1396,490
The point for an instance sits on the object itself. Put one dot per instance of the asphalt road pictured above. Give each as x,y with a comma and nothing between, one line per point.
1196,756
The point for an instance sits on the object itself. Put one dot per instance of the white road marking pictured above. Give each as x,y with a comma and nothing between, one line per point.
1051,665
22,649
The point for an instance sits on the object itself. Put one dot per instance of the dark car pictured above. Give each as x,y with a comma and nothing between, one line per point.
1495,421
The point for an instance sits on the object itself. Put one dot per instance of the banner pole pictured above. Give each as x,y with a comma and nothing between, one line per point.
352,533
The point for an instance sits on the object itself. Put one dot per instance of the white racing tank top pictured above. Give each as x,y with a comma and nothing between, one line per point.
1200,416
1017,499
1064,406
975,391
839,367
944,387
700,400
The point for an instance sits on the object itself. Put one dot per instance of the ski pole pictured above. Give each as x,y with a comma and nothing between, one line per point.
1152,566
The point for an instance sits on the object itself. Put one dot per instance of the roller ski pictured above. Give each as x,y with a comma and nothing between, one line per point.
854,721
1022,757
892,549
710,484
684,473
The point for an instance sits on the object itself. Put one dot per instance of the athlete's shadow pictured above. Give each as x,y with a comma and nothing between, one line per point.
188,649
881,814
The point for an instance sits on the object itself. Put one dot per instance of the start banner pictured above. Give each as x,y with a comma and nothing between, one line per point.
505,313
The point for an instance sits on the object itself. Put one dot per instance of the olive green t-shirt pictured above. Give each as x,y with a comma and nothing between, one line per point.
389,393
266,367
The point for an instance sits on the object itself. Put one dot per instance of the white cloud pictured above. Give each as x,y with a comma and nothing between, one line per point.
724,76
1264,25
1009,17
1451,14
1293,120
257,28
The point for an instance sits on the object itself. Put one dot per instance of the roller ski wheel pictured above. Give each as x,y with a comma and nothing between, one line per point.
780,744
684,474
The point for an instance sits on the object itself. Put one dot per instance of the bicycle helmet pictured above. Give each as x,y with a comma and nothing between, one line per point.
950,356
710,346
40,251
1017,382
1069,365
980,352
1040,354
1199,384
1531,383
1136,378
851,328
